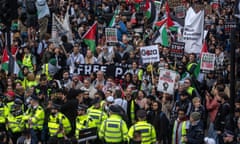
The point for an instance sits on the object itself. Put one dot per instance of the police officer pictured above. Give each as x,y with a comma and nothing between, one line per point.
15,122
195,134
147,130
35,116
83,121
96,113
4,111
114,129
58,124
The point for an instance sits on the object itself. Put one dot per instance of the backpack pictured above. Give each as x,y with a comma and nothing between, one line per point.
31,7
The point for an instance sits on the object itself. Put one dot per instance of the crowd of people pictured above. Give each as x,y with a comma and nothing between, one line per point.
48,101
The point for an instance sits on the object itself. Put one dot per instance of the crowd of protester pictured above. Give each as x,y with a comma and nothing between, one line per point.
49,102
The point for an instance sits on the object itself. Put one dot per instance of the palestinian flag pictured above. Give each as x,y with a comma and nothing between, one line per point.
150,11
116,12
197,70
166,27
89,37
5,62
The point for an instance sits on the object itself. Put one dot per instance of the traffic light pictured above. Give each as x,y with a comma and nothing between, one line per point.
8,11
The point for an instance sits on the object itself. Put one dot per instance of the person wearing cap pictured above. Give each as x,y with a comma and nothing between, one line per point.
58,124
35,116
83,121
29,60
182,72
96,112
50,68
15,120
10,95
184,102
114,129
195,134
148,132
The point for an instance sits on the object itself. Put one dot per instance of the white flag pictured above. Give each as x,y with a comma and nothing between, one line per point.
193,31
66,25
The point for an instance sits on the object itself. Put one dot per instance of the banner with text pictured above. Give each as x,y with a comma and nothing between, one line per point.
193,31
207,62
109,70
150,54
166,81
177,49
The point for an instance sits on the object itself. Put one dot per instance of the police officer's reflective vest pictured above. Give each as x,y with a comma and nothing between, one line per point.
97,115
147,130
113,130
46,71
83,122
4,111
57,123
27,61
36,116
15,123
132,111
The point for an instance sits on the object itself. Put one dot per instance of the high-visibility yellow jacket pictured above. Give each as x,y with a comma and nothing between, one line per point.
147,130
113,130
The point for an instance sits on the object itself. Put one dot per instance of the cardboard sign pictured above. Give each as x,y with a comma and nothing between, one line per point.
150,54
111,35
229,26
166,81
177,49
207,62
180,11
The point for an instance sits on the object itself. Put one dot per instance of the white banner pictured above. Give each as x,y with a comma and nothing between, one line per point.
166,81
193,31
207,61
150,54
111,35
58,30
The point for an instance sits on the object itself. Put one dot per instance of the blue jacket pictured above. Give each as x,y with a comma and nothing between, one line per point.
122,30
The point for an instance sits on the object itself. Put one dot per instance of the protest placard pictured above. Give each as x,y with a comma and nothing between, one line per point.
207,62
111,35
166,81
177,49
180,11
150,54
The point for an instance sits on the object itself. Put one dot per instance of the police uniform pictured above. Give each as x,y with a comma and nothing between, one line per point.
83,121
15,122
4,111
58,123
97,115
35,117
147,130
114,129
